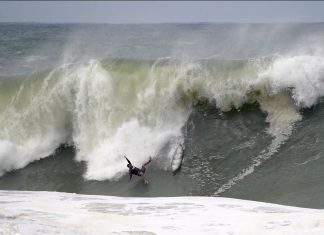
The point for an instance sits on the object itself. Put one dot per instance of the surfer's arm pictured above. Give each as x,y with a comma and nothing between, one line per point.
128,160
130,176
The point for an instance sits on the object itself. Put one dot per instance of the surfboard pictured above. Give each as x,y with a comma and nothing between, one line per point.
177,158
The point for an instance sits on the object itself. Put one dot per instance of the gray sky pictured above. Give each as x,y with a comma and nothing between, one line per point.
160,12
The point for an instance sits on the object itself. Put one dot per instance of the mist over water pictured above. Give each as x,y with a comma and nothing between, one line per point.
237,97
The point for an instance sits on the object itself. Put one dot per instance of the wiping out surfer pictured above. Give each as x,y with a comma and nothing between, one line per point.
136,171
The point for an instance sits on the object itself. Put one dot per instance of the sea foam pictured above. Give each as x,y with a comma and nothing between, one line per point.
27,212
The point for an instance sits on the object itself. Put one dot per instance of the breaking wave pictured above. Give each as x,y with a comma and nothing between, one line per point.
110,108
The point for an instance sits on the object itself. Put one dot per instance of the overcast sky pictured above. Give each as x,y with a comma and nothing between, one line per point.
161,12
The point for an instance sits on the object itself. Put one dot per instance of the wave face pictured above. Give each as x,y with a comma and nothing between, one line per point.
116,90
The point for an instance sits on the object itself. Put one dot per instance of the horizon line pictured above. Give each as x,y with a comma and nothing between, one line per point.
158,23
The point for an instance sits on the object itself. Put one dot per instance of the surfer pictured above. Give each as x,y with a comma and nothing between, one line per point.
136,171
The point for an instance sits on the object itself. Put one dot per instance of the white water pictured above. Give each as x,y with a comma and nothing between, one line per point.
107,114
24,212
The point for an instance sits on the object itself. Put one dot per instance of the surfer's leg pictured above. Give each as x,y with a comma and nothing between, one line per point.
144,178
143,169
146,163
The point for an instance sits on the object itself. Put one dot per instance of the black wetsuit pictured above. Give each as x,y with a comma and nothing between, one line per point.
135,170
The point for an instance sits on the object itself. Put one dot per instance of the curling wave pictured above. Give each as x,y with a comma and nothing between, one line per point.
109,108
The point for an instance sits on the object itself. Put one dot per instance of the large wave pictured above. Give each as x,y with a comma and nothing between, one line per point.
107,109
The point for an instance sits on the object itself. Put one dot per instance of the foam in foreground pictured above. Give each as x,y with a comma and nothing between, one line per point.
25,212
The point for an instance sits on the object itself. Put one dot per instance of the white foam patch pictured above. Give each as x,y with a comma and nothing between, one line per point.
132,140
21,155
25,212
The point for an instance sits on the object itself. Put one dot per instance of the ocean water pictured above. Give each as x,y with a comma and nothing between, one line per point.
244,101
